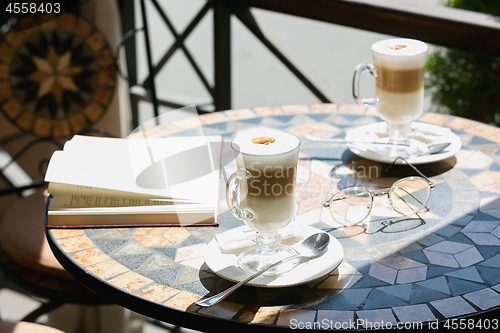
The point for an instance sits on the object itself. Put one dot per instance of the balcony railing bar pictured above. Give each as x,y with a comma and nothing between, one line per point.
449,27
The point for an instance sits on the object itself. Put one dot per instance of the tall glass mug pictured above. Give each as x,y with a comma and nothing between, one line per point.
262,194
399,66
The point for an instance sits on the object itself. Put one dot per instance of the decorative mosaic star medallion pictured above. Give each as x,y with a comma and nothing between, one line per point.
57,78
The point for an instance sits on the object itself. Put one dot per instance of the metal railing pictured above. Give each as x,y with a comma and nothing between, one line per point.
454,28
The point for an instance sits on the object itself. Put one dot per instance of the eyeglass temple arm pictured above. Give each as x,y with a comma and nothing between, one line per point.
326,203
411,195
431,184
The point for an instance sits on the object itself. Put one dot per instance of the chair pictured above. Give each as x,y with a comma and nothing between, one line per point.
24,327
84,98
27,260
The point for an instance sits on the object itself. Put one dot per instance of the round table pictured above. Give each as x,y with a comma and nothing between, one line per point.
440,267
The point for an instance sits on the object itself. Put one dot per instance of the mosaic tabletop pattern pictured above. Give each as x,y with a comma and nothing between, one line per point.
441,264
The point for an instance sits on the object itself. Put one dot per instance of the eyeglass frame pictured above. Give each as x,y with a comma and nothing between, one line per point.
387,191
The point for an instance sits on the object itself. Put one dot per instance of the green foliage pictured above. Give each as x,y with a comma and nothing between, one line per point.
483,6
462,83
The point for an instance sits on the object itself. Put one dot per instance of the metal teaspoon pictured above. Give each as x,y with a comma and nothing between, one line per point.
432,148
311,247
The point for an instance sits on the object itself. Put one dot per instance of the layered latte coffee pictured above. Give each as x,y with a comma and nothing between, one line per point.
399,66
268,194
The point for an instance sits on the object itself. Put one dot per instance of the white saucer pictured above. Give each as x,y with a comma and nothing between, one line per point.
225,265
421,132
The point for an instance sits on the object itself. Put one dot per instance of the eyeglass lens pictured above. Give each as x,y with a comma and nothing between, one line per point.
351,206
409,195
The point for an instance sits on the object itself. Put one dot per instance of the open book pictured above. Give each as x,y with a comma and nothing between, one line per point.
97,181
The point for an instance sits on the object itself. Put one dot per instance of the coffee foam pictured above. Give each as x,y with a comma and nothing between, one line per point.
283,143
387,54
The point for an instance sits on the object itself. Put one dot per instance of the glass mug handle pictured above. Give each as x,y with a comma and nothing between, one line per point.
355,84
233,195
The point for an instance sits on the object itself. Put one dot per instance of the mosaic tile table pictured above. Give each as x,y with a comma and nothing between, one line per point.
442,264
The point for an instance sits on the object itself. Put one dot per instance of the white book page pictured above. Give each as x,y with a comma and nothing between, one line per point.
69,189
116,164
81,203
85,201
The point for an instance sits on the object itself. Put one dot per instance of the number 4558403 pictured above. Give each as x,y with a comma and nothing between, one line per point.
25,8
471,324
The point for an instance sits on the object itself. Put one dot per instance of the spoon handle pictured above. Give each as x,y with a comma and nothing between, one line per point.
337,140
220,296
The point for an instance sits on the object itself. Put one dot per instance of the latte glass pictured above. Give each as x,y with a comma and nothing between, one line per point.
398,67
262,193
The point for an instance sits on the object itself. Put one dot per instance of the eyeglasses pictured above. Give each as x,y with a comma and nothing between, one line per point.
407,196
